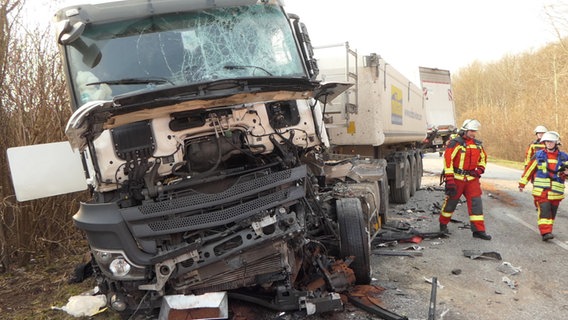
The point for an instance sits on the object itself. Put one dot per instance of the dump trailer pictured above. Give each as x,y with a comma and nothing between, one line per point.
440,108
198,129
381,116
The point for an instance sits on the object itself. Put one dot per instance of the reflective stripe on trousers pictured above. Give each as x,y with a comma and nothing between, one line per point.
547,210
472,192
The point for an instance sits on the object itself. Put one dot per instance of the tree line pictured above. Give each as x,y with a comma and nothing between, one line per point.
512,96
34,109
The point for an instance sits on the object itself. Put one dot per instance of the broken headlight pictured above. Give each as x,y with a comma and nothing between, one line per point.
115,266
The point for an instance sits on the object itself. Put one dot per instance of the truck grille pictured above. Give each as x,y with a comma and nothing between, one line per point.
199,210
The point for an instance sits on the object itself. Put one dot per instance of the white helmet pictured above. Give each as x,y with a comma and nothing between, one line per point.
550,136
471,124
540,129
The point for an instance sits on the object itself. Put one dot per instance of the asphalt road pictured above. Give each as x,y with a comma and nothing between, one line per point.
480,288
528,282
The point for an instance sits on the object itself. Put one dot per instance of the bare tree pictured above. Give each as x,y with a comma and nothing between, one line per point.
34,109
8,10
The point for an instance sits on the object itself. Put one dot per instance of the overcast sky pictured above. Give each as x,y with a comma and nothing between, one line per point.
445,34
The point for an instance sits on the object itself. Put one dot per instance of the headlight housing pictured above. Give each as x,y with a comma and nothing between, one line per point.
116,266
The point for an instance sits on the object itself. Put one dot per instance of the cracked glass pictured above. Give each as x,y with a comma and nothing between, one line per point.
182,49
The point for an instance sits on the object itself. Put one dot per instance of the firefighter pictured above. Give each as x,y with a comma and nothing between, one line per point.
464,163
533,148
548,168
536,144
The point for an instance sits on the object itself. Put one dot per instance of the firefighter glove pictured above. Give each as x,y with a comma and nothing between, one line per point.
451,188
477,172
521,187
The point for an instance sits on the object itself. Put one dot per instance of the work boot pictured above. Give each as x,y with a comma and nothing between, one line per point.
481,235
547,236
444,228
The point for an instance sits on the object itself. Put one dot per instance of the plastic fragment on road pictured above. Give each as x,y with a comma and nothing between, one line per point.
429,280
84,305
509,269
478,254
511,283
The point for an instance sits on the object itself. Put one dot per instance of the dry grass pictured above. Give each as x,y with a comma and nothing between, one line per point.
29,292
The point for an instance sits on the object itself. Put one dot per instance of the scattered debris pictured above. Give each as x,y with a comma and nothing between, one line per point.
443,314
397,253
212,305
511,283
83,270
364,297
388,244
475,254
457,271
414,248
430,280
509,269
411,251
432,307
84,305
414,236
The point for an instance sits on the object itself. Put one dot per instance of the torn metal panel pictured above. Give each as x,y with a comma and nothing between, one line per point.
478,254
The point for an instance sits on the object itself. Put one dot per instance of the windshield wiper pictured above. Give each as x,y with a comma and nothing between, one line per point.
133,81
244,67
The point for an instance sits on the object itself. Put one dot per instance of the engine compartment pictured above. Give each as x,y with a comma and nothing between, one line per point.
197,143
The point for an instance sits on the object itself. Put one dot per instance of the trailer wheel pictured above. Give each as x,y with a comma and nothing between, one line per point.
384,198
413,175
420,171
402,194
354,237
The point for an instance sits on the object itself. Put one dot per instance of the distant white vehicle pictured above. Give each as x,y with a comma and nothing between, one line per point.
439,106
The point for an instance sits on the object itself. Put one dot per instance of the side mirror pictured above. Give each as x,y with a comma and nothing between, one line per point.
67,32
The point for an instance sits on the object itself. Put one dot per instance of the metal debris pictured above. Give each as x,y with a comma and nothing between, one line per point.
509,269
364,297
388,244
431,280
511,283
397,253
475,254
432,307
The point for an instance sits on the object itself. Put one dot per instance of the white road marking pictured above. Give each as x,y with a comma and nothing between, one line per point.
533,228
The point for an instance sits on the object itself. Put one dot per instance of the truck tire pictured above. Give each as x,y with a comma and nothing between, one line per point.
402,194
420,170
354,237
413,174
384,198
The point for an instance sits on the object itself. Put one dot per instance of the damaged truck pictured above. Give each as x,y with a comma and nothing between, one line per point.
199,129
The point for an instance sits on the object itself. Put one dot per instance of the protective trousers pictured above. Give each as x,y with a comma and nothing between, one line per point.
472,192
547,210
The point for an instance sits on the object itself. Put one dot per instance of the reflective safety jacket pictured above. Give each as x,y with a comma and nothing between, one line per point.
544,167
462,156
532,149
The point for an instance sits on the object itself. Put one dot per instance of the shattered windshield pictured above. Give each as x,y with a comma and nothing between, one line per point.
180,49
